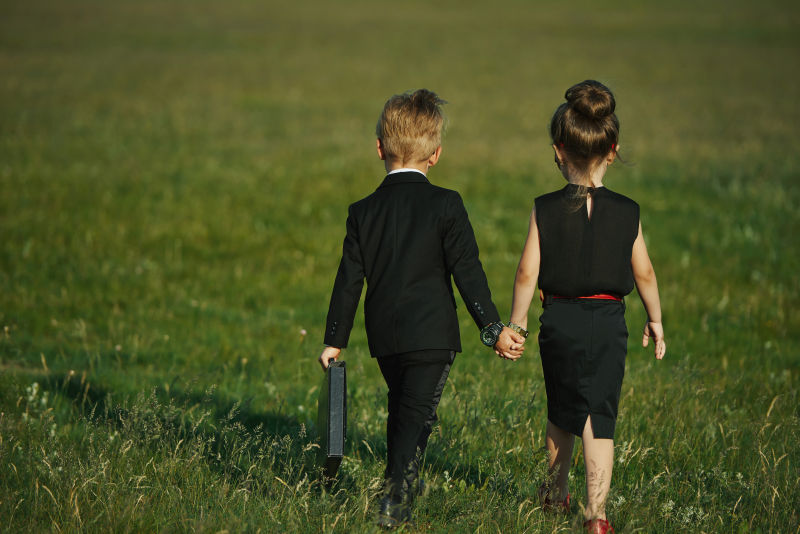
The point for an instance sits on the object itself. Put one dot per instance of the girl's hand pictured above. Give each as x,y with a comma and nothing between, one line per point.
509,345
656,331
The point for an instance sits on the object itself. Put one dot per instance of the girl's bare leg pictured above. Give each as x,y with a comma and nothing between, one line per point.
599,456
559,447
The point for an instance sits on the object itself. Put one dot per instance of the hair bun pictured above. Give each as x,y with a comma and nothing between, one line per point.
591,99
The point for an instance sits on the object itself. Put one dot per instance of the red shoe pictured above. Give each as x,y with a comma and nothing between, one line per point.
598,526
552,505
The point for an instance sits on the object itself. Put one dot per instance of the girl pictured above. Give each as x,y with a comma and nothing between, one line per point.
586,250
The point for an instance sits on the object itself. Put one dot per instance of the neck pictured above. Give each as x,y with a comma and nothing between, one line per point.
393,165
594,178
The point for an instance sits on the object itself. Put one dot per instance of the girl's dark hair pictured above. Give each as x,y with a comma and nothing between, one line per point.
585,127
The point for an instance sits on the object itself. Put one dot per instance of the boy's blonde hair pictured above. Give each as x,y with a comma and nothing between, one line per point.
410,127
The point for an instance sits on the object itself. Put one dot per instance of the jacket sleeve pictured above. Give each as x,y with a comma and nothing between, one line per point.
346,289
461,255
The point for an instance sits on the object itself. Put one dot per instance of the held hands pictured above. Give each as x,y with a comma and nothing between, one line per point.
509,345
656,331
328,354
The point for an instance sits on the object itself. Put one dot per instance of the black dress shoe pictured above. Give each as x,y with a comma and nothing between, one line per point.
393,512
395,505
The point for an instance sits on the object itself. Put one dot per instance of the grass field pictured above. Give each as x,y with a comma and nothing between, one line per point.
175,177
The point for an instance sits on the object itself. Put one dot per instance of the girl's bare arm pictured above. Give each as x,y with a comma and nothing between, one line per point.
527,274
646,284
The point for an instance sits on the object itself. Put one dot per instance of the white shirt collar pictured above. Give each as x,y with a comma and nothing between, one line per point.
406,170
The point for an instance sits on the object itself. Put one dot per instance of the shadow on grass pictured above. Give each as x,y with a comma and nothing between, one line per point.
231,431
233,435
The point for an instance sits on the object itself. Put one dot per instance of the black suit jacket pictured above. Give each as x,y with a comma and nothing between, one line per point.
408,239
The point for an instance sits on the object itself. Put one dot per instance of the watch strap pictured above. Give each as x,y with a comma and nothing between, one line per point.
518,329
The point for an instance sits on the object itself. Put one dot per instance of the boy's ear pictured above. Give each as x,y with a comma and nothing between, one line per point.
379,146
435,156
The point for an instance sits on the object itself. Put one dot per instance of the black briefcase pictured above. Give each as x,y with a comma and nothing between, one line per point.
332,418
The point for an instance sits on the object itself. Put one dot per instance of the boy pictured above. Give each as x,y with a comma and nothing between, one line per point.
407,239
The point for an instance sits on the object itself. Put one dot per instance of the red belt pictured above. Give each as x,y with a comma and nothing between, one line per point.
599,296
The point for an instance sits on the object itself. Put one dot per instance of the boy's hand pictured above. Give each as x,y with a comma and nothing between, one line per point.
328,354
656,331
509,345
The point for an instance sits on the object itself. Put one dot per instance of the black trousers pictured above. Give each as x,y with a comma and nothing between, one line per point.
415,380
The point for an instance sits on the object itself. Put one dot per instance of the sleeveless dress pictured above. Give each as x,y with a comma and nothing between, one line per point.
583,342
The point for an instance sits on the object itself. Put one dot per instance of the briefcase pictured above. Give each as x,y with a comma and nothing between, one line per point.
332,418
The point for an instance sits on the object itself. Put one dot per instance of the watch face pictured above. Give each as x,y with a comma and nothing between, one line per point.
486,338
489,335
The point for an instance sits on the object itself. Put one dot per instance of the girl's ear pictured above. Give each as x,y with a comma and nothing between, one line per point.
560,155
379,146
612,155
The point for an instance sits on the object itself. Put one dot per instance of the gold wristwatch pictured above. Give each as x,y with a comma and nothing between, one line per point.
518,329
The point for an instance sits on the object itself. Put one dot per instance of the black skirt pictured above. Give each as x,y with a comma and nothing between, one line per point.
583,344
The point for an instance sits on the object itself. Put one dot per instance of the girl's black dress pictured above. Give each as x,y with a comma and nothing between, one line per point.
583,342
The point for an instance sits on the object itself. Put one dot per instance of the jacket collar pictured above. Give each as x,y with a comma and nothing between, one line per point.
404,178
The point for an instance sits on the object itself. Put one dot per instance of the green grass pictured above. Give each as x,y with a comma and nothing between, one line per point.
175,179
